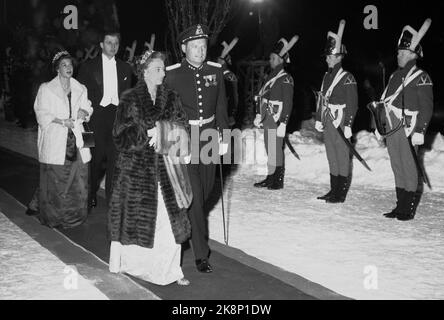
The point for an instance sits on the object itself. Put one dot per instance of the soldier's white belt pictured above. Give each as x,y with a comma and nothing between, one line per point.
201,121
336,107
398,112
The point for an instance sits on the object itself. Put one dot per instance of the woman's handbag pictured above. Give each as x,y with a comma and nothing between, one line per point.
88,137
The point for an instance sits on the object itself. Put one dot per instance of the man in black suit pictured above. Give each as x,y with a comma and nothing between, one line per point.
106,77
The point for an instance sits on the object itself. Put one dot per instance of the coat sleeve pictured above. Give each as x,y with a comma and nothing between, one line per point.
287,87
351,99
128,132
221,107
425,100
85,104
42,107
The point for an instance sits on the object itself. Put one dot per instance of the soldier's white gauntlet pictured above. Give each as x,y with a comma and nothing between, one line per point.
318,126
347,132
417,139
257,121
281,130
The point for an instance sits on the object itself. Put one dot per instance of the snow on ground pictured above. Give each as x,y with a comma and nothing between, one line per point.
333,244
31,272
340,246
313,166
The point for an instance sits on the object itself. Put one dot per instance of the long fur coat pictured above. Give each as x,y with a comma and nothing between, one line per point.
133,207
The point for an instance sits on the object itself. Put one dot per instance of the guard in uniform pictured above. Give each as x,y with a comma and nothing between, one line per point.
406,108
336,107
201,88
274,106
231,81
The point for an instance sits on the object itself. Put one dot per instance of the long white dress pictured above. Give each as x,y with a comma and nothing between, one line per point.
159,265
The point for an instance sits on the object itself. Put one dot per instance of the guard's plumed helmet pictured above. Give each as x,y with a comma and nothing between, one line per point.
334,41
282,47
410,38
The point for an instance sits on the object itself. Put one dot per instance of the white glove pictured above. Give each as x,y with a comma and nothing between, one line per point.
187,159
281,130
223,148
417,139
152,133
318,126
347,132
257,121
336,123
377,134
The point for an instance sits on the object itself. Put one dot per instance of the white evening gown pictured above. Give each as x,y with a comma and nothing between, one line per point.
159,265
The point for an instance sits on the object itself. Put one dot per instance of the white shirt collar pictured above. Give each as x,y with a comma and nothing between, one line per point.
107,60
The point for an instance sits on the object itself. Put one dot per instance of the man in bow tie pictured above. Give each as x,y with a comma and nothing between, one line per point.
105,77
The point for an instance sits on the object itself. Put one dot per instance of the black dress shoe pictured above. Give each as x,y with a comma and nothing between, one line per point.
204,266
405,217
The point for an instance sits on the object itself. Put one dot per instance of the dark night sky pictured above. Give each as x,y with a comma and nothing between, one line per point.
311,19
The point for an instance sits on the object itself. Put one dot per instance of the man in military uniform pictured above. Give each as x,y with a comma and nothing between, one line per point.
336,107
274,106
408,108
201,88
231,81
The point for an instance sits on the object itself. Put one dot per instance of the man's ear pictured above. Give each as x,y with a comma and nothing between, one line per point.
184,48
101,45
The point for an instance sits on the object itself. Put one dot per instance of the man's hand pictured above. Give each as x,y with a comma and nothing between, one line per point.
257,121
417,139
152,133
318,126
281,130
223,148
347,132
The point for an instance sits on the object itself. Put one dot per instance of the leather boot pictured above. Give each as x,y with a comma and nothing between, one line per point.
411,201
333,183
264,183
394,212
340,193
278,179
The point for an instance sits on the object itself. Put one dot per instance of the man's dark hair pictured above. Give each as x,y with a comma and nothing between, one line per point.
113,33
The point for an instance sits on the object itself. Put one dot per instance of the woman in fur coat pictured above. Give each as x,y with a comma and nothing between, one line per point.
146,223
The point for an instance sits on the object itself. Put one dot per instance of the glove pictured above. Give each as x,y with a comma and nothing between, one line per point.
223,148
152,133
347,132
377,134
257,121
336,123
281,130
187,159
417,139
318,126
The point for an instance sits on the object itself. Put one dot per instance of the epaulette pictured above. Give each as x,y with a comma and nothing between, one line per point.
424,79
172,67
214,64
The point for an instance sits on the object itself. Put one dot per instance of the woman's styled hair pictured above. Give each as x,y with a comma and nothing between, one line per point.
143,61
59,56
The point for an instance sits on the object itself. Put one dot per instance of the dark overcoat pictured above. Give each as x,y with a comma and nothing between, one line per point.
133,206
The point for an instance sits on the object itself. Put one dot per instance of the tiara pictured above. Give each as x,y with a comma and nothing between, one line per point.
146,56
59,54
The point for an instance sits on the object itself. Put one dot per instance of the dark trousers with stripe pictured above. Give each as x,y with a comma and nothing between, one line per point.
401,159
104,153
338,154
273,145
